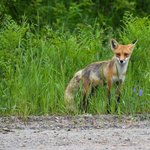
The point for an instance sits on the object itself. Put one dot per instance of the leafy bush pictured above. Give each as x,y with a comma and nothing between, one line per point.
36,68
11,35
72,13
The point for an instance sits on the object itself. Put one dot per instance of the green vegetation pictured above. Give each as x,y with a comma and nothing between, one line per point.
73,13
40,54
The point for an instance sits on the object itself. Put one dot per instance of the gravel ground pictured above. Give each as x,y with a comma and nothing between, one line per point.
85,132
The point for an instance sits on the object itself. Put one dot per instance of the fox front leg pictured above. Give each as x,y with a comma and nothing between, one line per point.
119,85
87,90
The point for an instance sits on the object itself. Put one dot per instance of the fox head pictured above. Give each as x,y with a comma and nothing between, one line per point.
122,52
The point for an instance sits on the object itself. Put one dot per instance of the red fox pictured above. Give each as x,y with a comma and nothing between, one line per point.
101,73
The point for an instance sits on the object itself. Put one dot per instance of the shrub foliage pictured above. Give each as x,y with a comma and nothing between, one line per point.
36,63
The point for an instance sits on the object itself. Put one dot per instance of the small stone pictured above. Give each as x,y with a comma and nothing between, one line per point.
127,139
23,145
75,122
89,120
89,139
5,129
4,132
18,127
128,118
37,131
115,126
12,118
21,128
82,128
42,123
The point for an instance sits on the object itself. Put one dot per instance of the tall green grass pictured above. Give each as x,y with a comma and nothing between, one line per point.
36,68
138,74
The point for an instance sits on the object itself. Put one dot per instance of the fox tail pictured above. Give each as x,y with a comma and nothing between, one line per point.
72,89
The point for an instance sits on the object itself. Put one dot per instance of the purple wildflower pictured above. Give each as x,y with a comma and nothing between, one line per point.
87,47
140,92
134,89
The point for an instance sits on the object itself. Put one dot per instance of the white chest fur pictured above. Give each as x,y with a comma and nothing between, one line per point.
120,72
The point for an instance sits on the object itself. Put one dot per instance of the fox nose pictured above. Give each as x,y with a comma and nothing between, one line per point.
121,61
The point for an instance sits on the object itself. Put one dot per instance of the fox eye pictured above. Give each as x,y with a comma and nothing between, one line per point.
118,54
126,54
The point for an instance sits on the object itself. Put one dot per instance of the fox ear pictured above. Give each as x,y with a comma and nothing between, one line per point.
114,44
132,45
134,42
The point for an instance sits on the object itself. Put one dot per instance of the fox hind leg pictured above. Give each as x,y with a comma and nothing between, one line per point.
87,90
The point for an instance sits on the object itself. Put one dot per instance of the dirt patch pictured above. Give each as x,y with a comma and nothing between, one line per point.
75,132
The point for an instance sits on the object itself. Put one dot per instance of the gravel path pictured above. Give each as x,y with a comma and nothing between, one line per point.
84,132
